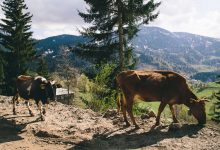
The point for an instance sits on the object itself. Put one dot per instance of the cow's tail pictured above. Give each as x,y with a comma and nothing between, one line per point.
119,101
120,96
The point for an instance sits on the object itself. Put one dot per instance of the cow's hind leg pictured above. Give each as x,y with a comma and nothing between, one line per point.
15,98
129,110
160,110
28,106
124,114
129,107
124,107
173,114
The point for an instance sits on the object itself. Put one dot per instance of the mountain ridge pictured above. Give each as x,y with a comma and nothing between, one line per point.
158,48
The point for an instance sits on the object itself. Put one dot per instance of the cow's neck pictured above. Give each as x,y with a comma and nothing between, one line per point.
188,104
191,96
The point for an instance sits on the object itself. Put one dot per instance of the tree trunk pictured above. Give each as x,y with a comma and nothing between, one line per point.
68,91
120,32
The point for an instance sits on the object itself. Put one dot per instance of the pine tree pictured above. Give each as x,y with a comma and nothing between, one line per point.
114,24
216,115
1,67
16,37
42,69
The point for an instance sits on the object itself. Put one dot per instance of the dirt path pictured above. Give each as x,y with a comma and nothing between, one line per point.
68,127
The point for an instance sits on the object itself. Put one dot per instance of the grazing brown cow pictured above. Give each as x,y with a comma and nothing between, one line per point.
164,86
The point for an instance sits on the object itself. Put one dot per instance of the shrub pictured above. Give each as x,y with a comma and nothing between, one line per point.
99,94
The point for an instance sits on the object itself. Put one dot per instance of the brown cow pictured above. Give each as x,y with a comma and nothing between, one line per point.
164,86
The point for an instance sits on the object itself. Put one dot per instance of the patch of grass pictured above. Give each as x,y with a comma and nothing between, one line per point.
208,92
141,107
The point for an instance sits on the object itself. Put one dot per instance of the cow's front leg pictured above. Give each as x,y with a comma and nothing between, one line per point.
15,98
28,106
160,110
41,112
173,114
45,109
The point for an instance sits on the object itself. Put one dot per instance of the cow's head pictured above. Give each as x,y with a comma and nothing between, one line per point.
49,90
197,109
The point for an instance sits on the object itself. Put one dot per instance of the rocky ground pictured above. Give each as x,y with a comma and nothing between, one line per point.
68,127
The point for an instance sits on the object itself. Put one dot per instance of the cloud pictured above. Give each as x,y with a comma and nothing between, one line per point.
194,16
56,11
53,17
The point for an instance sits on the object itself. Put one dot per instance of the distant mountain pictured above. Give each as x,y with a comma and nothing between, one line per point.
179,51
56,42
156,48
51,48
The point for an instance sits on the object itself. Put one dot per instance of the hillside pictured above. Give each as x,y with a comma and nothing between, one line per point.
69,127
54,43
51,48
179,51
156,48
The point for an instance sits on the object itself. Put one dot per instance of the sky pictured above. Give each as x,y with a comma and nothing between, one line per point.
55,17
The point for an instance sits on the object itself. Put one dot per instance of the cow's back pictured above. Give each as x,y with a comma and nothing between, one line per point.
153,85
24,87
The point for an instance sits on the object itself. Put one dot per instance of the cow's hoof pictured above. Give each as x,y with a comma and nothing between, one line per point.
44,112
127,124
42,118
32,115
157,124
137,127
14,113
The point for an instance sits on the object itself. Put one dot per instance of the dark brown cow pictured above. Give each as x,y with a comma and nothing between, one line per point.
164,86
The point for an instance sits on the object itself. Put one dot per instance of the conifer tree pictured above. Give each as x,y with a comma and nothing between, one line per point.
114,24
42,69
1,67
16,37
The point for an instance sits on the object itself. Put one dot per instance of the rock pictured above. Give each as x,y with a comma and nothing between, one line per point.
144,116
151,114
116,121
110,113
174,126
193,136
148,114
46,134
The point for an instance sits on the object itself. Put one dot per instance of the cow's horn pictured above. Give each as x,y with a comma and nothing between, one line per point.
205,100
